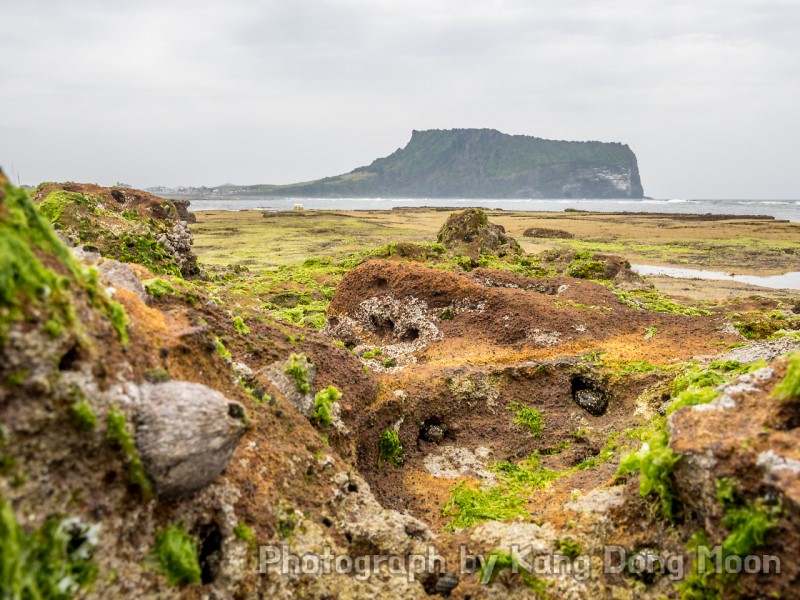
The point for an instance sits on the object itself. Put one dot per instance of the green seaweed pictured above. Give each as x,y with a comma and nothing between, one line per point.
390,449
526,417
287,522
748,524
692,397
26,238
734,367
657,302
323,405
789,387
569,548
82,414
528,474
636,366
240,326
157,287
53,328
123,236
119,320
117,433
696,377
469,505
655,462
24,279
244,532
297,369
54,205
584,266
51,563
305,315
222,350
763,326
175,556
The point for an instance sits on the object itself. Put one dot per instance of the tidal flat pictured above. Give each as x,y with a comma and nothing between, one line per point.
264,240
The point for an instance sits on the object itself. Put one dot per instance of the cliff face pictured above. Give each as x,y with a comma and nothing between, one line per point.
484,163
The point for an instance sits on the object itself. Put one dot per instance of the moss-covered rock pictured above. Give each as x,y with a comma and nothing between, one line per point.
469,233
38,274
133,226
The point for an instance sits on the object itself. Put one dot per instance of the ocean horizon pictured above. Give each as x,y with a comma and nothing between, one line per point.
779,209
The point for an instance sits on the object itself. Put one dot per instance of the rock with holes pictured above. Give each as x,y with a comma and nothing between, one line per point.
746,439
186,433
399,325
373,529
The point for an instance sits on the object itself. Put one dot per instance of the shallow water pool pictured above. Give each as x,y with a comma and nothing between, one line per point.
784,281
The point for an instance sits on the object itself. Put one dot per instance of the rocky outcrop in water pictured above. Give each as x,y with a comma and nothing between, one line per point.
483,163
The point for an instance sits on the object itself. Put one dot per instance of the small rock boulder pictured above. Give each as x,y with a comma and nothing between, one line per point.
586,395
121,275
545,233
186,434
470,233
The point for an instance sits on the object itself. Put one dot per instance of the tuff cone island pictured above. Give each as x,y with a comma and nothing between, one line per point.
161,419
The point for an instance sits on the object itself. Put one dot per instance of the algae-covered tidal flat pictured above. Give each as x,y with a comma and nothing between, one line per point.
744,245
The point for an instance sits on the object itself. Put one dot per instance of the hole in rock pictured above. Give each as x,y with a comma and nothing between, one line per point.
432,430
411,334
789,416
210,551
70,360
236,411
383,326
588,396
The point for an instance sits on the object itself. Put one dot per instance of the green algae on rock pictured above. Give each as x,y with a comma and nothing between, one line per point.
38,272
140,228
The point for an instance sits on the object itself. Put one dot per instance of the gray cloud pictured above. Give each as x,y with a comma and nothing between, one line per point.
276,91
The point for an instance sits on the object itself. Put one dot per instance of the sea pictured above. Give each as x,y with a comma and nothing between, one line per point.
780,209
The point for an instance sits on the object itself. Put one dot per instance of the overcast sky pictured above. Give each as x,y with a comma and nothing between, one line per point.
195,92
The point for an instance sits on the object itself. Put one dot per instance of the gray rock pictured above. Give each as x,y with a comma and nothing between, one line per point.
446,584
87,257
433,433
120,275
592,401
276,374
186,434
769,350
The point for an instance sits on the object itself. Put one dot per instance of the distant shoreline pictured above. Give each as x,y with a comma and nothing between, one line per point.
782,210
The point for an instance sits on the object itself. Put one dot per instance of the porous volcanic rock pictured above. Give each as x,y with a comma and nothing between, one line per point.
470,233
748,437
399,306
